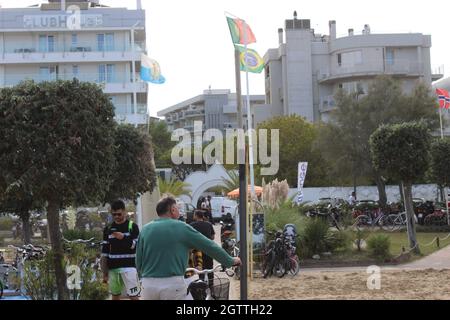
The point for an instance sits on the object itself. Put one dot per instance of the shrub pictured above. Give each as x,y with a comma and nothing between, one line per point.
338,241
94,291
378,246
314,237
82,234
276,219
359,236
6,223
39,278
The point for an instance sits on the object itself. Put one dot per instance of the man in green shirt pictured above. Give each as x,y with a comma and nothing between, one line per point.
162,253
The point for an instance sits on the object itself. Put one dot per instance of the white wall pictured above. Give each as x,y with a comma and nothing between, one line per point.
426,191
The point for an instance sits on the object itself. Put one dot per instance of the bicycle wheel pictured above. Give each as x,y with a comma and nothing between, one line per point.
361,222
387,223
281,268
268,264
294,265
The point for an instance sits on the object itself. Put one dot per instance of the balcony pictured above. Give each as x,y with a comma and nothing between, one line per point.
194,113
89,51
398,67
127,109
135,119
110,83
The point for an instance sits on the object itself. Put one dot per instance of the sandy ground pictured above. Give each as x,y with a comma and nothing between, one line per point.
395,285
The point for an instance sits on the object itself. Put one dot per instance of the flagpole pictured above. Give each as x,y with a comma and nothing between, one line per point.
440,117
249,117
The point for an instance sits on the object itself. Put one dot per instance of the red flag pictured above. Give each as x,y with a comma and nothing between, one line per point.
444,98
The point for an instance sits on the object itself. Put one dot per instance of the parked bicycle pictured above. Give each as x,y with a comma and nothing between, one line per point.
280,257
231,246
219,289
372,219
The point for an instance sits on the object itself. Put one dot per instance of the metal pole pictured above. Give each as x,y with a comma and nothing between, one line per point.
440,117
243,229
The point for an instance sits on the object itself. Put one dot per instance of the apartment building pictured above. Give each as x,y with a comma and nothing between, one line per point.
80,39
305,71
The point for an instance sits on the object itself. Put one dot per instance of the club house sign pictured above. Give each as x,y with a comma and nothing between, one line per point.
61,20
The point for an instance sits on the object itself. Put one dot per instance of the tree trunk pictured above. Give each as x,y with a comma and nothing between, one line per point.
402,196
55,238
381,190
26,227
410,223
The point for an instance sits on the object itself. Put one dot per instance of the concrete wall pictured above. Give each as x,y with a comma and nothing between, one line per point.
428,192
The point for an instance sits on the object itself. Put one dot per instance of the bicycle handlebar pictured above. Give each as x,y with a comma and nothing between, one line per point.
208,271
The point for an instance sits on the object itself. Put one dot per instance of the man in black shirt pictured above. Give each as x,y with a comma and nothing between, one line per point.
119,254
202,225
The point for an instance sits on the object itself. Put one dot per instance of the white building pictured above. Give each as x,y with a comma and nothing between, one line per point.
87,41
216,109
306,70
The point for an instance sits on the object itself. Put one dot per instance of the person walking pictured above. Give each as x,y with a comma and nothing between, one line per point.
162,253
202,225
119,254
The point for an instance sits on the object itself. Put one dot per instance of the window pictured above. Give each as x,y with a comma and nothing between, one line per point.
75,71
74,40
350,59
106,73
48,73
46,43
105,42
389,56
339,59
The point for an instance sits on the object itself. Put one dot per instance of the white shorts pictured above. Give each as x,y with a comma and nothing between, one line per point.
171,288
124,282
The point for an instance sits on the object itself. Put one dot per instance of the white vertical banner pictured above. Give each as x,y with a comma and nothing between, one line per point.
302,169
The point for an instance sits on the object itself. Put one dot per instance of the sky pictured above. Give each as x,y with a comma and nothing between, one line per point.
192,43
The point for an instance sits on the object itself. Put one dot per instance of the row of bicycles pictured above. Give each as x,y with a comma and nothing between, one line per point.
15,270
12,274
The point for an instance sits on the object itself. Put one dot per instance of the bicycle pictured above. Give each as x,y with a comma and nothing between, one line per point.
280,258
5,269
231,246
367,220
203,290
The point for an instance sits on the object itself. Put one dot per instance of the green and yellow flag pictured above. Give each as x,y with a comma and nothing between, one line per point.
250,60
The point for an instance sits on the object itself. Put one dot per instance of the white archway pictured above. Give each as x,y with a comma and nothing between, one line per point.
200,181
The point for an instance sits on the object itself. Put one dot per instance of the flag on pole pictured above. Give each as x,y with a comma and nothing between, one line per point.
237,30
302,169
250,59
150,70
444,98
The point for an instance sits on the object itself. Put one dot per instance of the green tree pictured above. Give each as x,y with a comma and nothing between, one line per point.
58,144
346,138
134,171
440,164
162,144
173,187
231,183
296,145
402,151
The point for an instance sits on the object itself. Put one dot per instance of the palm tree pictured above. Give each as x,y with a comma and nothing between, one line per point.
232,183
174,187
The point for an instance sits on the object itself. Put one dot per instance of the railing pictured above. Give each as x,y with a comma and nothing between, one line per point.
73,47
403,66
128,108
193,113
14,79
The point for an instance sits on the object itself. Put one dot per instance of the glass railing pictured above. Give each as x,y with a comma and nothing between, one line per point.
13,79
129,108
73,47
